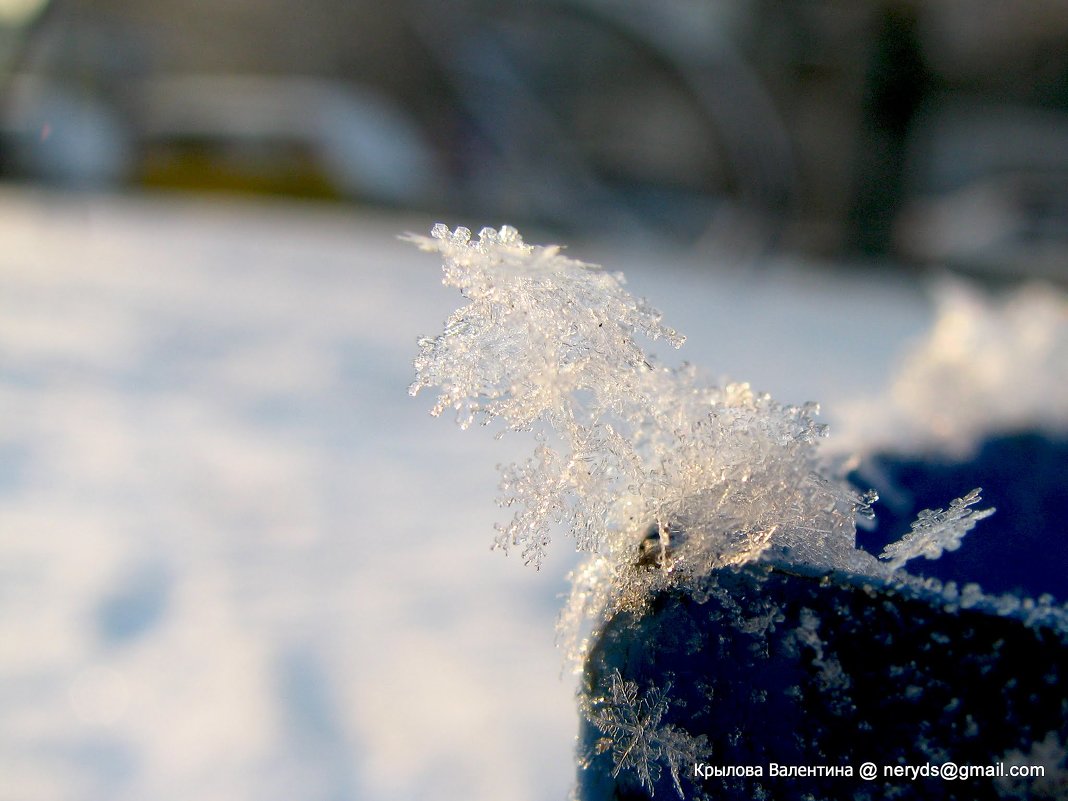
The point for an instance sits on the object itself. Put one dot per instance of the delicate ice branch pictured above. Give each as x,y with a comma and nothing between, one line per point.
937,530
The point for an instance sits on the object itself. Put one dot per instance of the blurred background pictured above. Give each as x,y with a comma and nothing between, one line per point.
236,560
928,132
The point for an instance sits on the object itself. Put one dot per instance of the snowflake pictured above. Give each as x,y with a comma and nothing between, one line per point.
538,328
630,723
936,530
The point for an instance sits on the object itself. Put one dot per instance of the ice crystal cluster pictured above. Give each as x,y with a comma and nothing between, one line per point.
660,476
642,463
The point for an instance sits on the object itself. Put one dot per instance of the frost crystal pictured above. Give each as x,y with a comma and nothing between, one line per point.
936,530
660,476
1051,783
548,343
631,724
545,342
989,363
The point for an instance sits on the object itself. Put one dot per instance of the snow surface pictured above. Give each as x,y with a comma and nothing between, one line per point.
237,561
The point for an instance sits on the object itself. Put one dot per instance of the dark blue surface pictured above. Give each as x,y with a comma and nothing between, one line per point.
888,678
1022,548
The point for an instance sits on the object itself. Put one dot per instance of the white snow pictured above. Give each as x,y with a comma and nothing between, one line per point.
237,561
991,362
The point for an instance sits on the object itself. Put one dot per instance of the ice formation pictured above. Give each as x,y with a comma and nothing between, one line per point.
633,728
660,476
936,530
645,465
548,343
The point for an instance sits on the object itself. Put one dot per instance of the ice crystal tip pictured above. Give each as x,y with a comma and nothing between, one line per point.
937,530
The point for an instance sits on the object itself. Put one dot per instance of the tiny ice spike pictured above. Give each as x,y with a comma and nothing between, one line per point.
936,530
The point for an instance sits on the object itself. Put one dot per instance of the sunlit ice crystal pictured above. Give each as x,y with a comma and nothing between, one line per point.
700,501
555,345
